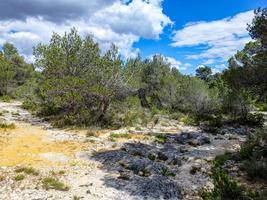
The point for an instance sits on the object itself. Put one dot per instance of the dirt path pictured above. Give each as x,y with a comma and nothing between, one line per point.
129,165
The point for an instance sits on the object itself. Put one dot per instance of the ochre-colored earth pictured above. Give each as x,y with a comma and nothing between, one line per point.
25,144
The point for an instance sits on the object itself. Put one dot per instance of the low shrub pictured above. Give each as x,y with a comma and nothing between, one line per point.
51,183
4,125
5,98
29,105
27,170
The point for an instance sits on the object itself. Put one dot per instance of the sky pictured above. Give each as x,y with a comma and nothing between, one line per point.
188,33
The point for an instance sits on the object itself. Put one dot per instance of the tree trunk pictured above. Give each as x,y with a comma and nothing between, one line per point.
142,97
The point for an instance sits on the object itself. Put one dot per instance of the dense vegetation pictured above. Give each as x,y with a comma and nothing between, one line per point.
74,83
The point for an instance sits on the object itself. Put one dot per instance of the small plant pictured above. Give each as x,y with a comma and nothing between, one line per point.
2,178
190,120
154,111
152,156
51,183
61,172
15,113
19,177
166,172
27,170
120,135
176,116
161,138
6,99
76,198
7,126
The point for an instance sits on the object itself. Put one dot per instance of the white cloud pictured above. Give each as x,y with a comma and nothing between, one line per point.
173,62
222,38
120,22
177,64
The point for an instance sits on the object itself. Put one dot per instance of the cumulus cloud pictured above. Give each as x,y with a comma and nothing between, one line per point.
29,22
177,64
222,38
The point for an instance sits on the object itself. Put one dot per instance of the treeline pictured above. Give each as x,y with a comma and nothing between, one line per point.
14,71
73,83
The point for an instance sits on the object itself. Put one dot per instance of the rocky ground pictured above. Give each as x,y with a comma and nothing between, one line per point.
167,160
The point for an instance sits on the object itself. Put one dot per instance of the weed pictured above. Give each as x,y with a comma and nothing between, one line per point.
161,138
7,126
166,172
51,183
27,170
19,177
120,135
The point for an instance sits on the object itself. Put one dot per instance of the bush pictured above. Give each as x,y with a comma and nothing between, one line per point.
29,105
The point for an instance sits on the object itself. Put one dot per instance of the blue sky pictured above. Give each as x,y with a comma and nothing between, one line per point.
189,33
182,12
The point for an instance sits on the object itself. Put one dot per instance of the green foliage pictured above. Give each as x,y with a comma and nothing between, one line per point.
6,75
27,170
166,172
252,157
4,125
5,98
190,120
15,72
160,138
204,73
79,85
19,177
255,145
51,183
120,135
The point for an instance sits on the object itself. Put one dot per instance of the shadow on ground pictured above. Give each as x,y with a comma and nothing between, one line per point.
151,171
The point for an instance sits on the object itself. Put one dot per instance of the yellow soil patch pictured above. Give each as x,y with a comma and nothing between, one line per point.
24,144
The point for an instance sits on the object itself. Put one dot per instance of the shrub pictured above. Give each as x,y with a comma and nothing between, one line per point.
256,169
29,105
